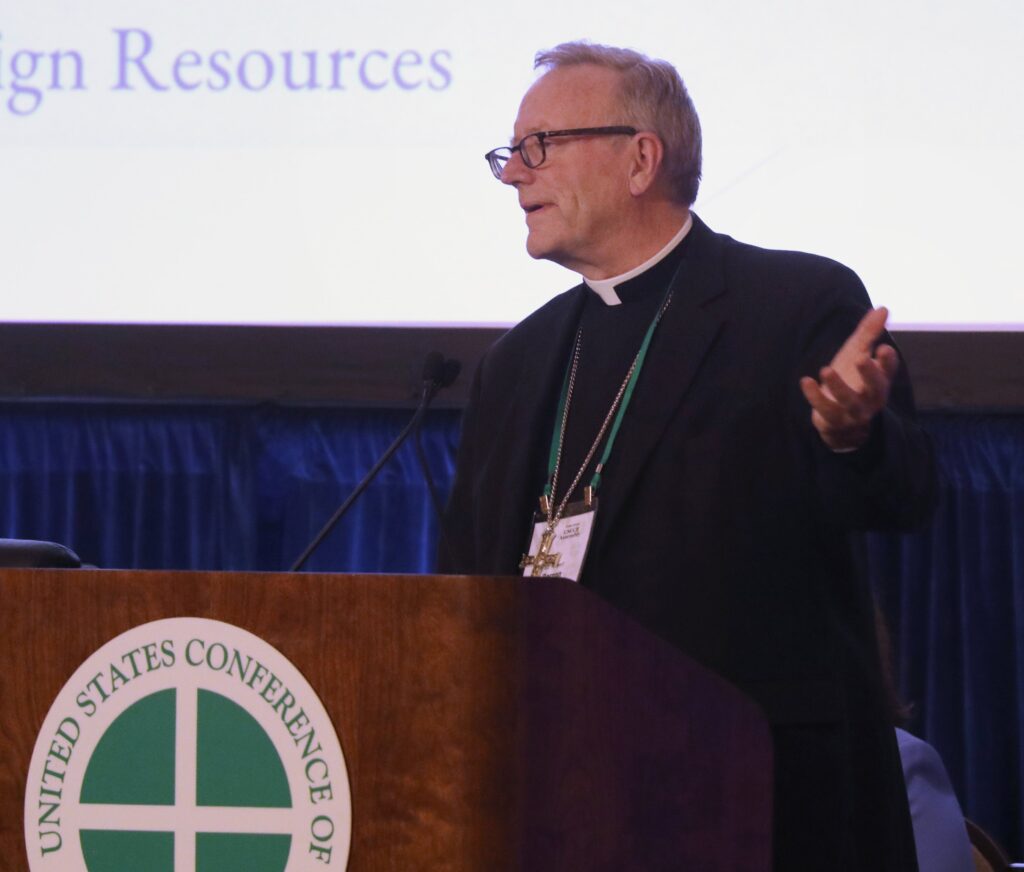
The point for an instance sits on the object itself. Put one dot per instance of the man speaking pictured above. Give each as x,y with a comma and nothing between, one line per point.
699,432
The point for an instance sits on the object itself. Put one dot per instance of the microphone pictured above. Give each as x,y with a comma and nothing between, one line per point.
438,373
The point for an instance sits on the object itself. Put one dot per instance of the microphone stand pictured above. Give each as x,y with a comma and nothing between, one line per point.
434,372
443,372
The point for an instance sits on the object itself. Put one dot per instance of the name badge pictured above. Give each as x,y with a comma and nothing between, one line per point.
561,550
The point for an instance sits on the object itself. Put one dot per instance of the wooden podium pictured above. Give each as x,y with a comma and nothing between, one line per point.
487,723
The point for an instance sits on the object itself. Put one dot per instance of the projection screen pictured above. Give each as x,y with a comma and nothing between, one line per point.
320,162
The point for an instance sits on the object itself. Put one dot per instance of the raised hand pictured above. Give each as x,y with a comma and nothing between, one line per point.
854,387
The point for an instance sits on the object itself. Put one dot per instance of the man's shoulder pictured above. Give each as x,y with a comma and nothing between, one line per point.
742,260
553,311
540,325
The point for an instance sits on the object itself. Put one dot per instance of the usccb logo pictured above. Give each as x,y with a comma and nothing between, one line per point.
187,745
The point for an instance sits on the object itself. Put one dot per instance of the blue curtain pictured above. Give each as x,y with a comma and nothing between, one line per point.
954,598
247,487
213,487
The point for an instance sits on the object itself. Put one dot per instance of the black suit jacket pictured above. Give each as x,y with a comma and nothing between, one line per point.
725,524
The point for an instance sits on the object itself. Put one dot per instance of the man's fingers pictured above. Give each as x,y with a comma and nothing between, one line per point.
869,329
825,412
832,412
837,428
855,386
888,358
815,396
876,383
848,398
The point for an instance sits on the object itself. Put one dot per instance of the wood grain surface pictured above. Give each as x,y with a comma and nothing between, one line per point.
487,724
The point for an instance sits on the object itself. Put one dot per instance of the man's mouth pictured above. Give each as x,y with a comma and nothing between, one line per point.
528,209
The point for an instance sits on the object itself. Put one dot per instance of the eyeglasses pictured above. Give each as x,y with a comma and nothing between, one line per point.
532,150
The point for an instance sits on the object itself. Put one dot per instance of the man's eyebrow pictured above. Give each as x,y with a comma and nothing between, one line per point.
530,131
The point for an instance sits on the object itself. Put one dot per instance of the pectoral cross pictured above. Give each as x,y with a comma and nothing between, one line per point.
543,558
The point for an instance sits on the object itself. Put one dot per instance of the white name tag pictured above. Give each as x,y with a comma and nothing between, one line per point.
563,551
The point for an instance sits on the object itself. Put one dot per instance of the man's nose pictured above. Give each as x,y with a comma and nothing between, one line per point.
514,171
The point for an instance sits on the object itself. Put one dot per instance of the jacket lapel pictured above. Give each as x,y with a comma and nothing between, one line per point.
685,335
534,387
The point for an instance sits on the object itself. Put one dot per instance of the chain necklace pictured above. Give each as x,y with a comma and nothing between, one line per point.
554,515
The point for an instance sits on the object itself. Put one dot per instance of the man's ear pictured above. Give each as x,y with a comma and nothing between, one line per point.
647,153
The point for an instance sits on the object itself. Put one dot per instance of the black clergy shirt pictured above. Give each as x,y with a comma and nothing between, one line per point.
611,338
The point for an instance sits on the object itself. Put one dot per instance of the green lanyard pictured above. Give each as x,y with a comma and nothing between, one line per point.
622,399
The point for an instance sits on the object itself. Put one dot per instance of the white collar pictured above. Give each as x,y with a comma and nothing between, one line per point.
605,288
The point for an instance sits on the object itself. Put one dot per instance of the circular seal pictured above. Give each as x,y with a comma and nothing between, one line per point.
186,745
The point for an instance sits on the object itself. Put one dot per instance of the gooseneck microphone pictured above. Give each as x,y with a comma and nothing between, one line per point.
445,373
438,372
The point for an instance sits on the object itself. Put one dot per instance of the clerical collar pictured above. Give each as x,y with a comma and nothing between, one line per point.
605,288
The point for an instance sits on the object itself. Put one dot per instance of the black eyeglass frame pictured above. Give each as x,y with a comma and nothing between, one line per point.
498,157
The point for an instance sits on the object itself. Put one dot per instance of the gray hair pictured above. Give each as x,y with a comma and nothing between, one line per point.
653,98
